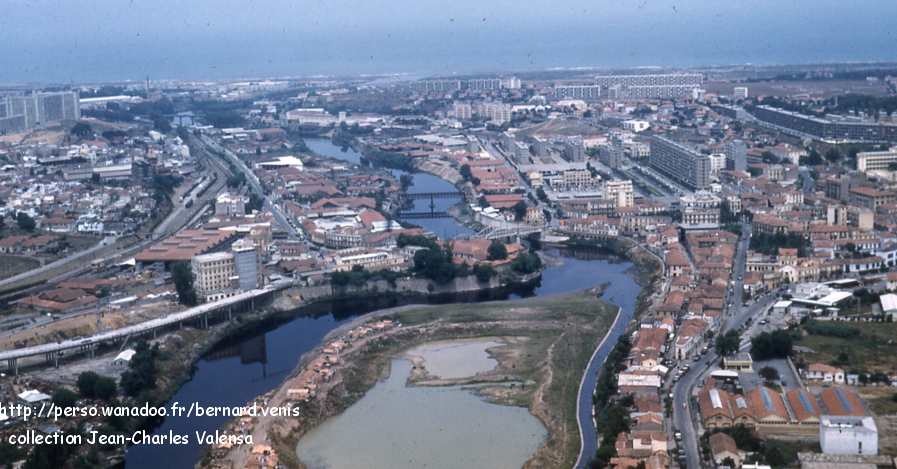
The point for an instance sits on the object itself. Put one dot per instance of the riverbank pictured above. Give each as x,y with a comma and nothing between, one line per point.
549,341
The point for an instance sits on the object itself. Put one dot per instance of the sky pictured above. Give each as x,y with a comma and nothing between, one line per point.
109,40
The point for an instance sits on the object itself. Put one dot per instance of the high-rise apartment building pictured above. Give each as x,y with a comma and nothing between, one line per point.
584,92
680,163
650,86
736,155
18,113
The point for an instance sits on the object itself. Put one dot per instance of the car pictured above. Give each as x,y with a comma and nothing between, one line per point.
678,435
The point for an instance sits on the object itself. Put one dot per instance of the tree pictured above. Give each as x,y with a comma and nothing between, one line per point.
727,344
94,386
10,453
519,210
25,222
833,155
86,383
141,374
465,172
65,398
497,251
484,272
768,345
526,263
769,373
812,158
182,275
82,130
435,264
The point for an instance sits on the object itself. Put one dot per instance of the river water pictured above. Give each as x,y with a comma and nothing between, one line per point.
243,367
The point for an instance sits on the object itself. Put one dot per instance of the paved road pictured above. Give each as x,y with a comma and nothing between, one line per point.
70,259
736,315
255,186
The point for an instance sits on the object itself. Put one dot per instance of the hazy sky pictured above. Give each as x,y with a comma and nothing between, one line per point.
86,40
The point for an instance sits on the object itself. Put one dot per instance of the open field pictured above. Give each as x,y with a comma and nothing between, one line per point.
872,348
14,265
817,88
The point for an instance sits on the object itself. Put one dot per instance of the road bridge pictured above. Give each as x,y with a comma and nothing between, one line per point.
54,352
434,195
420,215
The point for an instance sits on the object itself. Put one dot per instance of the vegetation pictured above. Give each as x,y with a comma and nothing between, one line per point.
142,373
388,159
770,244
769,374
94,386
519,210
358,276
526,263
65,398
82,130
863,347
182,275
25,221
484,272
416,240
727,344
497,251
612,417
769,345
435,263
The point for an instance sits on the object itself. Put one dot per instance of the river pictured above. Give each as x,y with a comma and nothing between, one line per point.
243,367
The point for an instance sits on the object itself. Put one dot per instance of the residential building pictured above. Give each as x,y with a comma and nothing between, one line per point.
740,92
700,209
830,128
736,154
868,161
620,191
680,162
651,86
18,113
583,92
230,205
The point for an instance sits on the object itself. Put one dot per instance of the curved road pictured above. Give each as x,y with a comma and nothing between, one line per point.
587,430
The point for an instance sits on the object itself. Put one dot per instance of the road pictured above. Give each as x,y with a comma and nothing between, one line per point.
684,411
255,185
24,277
68,267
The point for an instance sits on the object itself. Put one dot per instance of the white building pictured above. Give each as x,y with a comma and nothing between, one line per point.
636,125
740,92
701,208
876,160
621,191
717,163
230,205
219,275
848,435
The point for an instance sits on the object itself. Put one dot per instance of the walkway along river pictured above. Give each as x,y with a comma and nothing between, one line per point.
243,367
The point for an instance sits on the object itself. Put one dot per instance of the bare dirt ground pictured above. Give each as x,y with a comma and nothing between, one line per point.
548,342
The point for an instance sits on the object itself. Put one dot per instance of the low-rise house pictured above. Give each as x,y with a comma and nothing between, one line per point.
824,373
723,447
